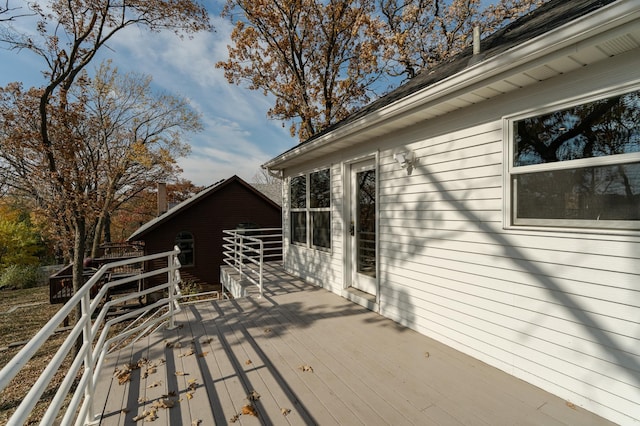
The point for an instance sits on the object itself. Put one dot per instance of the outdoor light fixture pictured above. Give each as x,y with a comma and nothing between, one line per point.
405,160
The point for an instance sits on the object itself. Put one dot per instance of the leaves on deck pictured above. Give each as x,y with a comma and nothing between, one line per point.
163,403
193,384
203,354
248,362
187,353
154,384
253,396
152,414
207,341
285,411
267,330
181,373
427,354
150,370
196,422
249,410
305,368
147,416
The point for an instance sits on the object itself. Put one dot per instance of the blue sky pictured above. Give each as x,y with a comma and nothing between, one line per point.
237,136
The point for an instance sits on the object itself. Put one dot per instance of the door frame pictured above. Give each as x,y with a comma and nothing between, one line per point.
372,301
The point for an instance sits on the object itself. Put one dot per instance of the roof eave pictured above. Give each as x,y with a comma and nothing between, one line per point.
598,24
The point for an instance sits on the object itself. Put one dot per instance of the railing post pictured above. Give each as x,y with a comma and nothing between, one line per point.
171,261
261,263
85,304
240,251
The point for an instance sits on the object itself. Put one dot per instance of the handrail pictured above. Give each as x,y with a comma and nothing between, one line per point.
95,344
246,250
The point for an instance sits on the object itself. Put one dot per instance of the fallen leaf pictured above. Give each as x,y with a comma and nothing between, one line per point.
154,384
285,411
189,395
203,354
124,378
253,396
250,410
248,362
163,403
196,422
140,416
180,373
124,411
267,330
147,416
234,419
149,370
306,368
427,354
142,400
187,353
571,405
207,341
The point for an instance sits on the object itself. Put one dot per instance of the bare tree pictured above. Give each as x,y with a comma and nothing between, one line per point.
69,35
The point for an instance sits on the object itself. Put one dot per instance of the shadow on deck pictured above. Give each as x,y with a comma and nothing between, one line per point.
303,355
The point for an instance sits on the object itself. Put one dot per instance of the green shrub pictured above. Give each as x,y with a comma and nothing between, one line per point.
21,276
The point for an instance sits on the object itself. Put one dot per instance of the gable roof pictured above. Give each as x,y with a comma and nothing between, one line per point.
205,193
547,34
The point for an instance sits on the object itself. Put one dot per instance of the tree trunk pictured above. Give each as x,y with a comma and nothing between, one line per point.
78,267
107,228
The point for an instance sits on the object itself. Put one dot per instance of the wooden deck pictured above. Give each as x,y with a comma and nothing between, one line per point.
301,355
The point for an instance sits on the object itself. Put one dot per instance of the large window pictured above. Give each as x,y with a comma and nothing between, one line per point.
579,166
311,209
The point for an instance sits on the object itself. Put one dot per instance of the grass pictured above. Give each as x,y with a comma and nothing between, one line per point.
21,325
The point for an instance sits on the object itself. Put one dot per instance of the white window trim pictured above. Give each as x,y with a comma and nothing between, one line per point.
308,210
613,227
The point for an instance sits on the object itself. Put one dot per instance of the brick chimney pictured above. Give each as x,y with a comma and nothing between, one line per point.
163,204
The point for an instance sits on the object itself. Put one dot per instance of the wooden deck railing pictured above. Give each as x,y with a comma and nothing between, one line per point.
93,328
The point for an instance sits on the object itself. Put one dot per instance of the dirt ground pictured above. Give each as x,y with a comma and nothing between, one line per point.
22,314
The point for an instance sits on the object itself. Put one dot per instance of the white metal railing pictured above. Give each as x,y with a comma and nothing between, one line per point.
94,328
246,250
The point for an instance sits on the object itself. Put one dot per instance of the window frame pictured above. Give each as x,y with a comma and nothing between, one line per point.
510,219
192,241
309,212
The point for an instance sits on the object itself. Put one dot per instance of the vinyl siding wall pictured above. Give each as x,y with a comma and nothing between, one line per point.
558,309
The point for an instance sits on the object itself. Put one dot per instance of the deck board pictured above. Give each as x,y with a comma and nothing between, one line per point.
366,369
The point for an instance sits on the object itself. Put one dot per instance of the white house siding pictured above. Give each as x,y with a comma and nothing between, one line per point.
558,309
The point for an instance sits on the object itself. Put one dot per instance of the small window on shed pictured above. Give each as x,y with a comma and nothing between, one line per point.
184,241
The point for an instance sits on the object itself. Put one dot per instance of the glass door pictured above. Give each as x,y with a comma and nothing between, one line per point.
363,227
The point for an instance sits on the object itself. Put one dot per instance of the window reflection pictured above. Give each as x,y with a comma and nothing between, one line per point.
605,188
